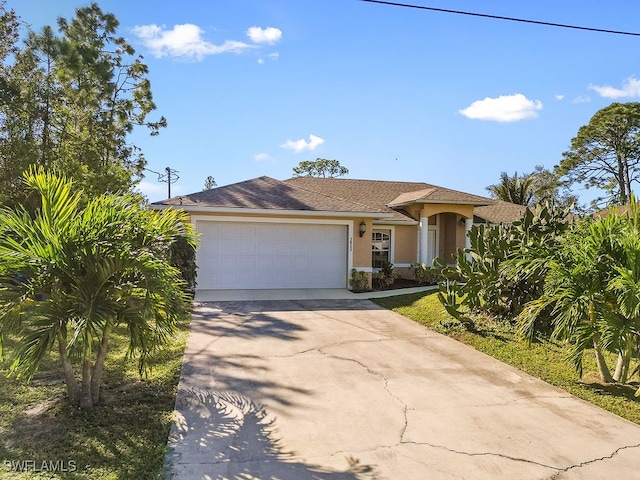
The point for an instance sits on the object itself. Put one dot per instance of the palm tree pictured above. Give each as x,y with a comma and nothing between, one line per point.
515,189
625,285
576,291
69,274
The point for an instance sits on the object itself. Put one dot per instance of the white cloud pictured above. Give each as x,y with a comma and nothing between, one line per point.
272,56
184,40
505,108
559,96
582,99
268,35
262,157
630,88
301,145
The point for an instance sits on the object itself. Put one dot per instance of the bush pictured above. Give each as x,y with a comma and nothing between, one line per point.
425,275
386,276
359,281
183,257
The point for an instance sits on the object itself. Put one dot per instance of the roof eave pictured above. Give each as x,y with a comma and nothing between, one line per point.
396,222
439,202
271,211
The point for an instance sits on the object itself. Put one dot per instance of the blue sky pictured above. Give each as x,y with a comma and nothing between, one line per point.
252,88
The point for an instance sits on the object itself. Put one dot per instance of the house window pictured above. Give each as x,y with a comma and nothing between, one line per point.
381,248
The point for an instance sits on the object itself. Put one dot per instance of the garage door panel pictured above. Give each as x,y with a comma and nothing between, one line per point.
226,231
264,263
283,248
333,236
227,247
247,263
270,255
303,249
265,248
227,264
283,262
246,231
246,247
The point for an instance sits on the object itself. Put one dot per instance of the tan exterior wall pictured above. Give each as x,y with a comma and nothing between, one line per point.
406,244
432,209
362,245
449,236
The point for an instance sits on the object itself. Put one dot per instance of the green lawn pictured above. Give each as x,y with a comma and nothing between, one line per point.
543,360
124,437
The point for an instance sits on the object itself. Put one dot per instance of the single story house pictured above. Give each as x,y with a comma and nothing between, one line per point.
308,232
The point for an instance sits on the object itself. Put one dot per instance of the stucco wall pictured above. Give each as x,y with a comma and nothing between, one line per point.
406,244
450,236
362,245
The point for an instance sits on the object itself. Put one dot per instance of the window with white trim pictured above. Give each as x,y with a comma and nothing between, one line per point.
380,248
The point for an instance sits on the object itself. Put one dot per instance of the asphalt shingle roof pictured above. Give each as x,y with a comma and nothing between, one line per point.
500,212
386,194
267,193
341,195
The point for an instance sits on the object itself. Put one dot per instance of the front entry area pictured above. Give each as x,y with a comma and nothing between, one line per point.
248,255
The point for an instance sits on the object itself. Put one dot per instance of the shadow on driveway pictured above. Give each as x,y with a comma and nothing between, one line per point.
231,437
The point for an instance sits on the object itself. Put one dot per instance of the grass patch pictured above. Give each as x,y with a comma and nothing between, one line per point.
545,360
123,437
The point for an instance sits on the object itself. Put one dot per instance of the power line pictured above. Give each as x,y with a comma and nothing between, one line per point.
499,17
170,176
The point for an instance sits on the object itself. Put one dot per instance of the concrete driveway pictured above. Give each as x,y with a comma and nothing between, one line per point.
345,390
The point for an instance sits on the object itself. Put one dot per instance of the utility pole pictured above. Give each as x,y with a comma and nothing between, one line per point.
171,176
168,170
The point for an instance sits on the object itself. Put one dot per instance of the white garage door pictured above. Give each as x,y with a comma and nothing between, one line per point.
271,255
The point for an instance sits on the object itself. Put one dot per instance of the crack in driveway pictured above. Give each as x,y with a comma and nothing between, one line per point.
385,381
556,475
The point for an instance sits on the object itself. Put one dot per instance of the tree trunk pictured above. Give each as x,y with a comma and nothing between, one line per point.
627,183
85,395
624,361
605,374
96,376
622,194
619,367
69,377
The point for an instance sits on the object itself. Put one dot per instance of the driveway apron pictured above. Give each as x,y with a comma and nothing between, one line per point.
346,390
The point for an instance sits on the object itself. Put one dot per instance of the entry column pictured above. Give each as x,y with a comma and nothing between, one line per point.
424,240
468,223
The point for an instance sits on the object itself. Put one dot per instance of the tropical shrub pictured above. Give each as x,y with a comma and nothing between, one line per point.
426,275
591,291
71,272
182,255
359,281
386,276
482,283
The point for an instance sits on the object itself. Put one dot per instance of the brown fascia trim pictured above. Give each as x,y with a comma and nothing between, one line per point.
268,211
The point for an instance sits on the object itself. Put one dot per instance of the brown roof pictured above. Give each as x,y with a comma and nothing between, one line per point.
440,195
384,194
500,212
613,210
267,193
386,198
